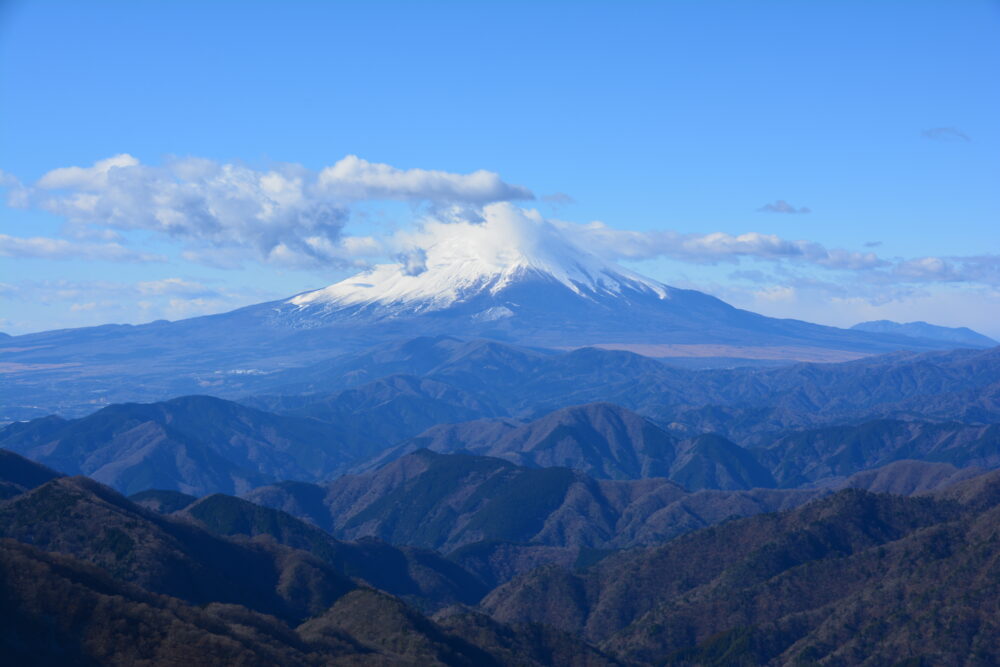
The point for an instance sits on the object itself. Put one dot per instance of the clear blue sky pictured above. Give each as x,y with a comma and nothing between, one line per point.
879,117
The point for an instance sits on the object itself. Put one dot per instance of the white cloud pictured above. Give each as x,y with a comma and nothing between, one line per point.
716,247
983,269
199,202
355,178
776,293
40,247
81,307
925,269
90,302
173,286
85,178
972,307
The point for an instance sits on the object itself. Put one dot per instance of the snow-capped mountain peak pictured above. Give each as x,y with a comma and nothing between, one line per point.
453,262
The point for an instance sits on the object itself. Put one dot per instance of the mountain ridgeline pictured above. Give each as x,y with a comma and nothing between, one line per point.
803,425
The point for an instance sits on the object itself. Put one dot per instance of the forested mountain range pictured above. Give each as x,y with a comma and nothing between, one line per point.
445,501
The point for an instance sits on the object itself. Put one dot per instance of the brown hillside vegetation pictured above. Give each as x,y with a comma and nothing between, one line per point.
856,578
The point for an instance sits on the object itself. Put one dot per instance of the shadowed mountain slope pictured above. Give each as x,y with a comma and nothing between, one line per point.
18,474
193,444
447,501
854,578
608,441
421,577
605,441
836,452
60,610
79,517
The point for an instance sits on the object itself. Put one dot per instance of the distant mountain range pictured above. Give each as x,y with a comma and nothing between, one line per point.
732,429
955,335
541,294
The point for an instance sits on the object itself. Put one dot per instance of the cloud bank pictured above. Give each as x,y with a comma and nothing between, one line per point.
287,214
716,247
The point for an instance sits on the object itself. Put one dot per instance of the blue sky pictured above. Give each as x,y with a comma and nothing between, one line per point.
690,118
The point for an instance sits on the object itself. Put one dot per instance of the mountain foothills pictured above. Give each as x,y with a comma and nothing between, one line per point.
726,429
535,289
500,455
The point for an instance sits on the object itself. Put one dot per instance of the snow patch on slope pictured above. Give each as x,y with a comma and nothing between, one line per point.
451,262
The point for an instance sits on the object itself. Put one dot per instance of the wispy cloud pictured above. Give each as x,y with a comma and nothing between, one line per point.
983,269
87,302
786,291
40,247
781,206
559,199
945,134
716,247
356,178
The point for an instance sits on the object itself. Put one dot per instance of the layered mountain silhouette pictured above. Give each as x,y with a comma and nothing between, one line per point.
448,501
741,403
605,441
497,518
734,429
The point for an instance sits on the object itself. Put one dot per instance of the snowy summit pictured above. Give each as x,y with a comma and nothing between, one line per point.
450,263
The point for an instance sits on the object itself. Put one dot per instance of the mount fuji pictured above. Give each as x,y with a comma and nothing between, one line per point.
512,278
521,279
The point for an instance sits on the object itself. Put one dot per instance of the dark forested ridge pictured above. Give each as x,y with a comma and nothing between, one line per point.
844,577
87,577
849,579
